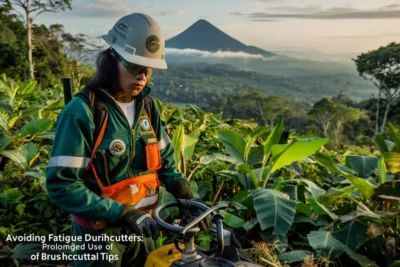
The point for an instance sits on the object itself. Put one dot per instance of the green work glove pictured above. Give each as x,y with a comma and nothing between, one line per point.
181,190
139,222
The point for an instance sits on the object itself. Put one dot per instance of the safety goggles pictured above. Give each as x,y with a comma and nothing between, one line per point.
133,68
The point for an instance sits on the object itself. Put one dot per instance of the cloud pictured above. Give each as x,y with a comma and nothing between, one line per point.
102,9
237,14
318,12
179,12
271,1
207,54
371,36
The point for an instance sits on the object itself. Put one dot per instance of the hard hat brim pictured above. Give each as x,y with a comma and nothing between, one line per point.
135,59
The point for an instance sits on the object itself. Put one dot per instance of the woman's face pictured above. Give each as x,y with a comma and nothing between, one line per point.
132,79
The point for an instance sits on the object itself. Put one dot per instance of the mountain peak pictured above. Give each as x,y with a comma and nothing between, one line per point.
204,36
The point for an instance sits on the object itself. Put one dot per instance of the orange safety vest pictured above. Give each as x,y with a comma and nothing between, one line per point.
140,191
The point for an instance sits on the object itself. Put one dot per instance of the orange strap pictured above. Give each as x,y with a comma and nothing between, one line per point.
98,141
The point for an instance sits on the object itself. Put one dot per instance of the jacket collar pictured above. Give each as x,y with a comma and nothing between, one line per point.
145,92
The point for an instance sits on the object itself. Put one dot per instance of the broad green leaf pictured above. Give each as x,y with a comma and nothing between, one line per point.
311,186
365,187
252,138
274,210
321,209
6,107
364,166
237,206
16,157
36,126
203,190
244,197
232,220
391,188
320,221
295,256
264,171
177,142
334,194
380,143
278,148
296,151
37,175
33,109
174,115
273,137
256,155
53,104
392,161
382,171
190,142
195,188
12,120
24,251
218,116
250,224
27,88
295,168
4,121
196,110
290,190
353,234
245,168
208,159
30,150
302,208
325,244
395,133
5,141
238,177
234,144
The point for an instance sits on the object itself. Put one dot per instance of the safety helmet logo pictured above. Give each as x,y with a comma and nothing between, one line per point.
117,147
153,43
123,27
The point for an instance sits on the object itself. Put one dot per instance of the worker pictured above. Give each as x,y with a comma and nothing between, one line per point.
111,184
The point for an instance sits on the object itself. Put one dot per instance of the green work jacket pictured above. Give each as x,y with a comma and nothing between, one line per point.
75,190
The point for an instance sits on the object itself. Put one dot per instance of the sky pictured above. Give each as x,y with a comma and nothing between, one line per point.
326,26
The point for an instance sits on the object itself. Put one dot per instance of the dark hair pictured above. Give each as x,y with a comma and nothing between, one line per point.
106,74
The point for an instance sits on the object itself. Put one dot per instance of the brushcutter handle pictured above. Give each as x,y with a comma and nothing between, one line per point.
190,228
67,85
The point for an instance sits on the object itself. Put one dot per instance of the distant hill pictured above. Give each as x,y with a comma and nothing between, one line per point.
200,42
204,36
205,83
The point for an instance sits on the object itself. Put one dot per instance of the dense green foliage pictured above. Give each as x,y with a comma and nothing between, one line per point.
54,52
283,185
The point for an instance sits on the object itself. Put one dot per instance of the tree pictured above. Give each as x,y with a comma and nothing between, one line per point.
32,9
273,106
342,115
322,113
382,67
78,49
